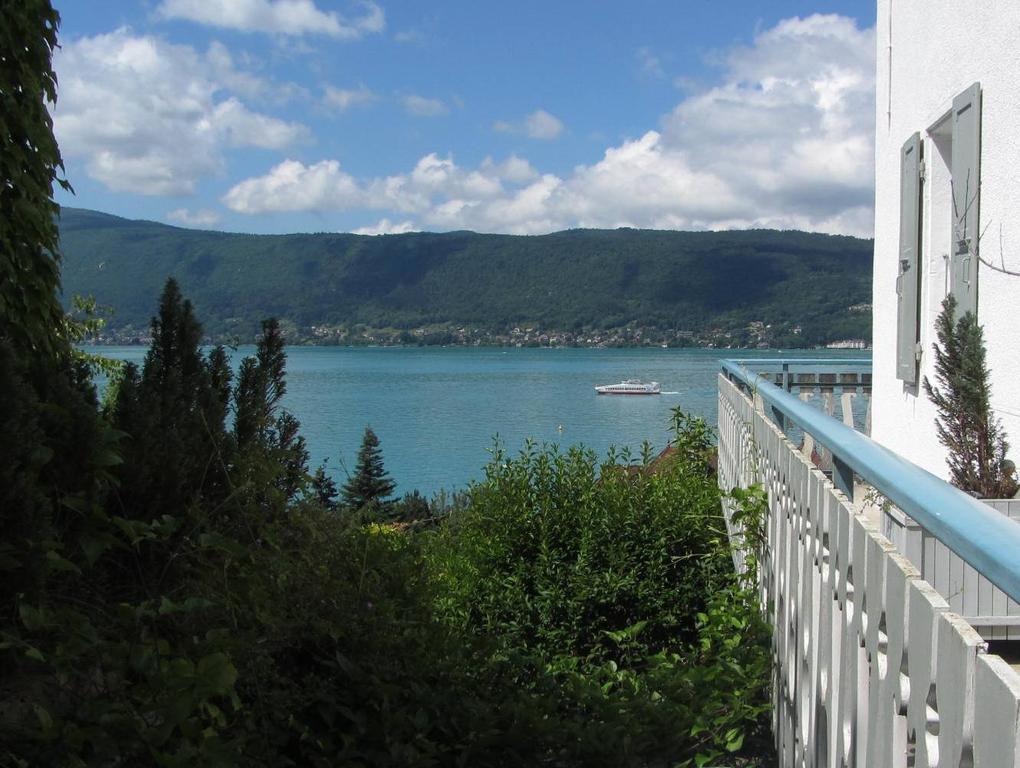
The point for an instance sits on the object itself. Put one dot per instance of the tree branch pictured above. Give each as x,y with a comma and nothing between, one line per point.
1002,259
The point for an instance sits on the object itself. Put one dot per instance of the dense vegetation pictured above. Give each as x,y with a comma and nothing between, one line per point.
188,595
696,282
177,589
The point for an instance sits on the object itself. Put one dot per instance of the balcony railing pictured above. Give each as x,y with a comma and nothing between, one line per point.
872,667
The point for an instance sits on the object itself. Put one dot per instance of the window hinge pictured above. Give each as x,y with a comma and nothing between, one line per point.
921,170
918,351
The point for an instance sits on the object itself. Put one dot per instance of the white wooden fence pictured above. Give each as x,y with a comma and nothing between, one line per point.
988,609
871,667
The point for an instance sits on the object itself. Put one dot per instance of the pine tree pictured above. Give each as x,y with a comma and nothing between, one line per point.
270,452
324,490
261,386
291,452
370,485
966,425
174,412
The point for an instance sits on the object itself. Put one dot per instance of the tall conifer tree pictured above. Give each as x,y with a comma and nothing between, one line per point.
323,488
966,425
174,412
270,452
370,485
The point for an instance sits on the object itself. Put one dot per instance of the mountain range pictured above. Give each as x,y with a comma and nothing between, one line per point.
754,286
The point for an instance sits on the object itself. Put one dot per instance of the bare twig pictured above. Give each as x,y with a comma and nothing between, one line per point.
1002,259
963,219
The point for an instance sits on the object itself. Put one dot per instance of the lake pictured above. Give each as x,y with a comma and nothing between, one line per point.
437,410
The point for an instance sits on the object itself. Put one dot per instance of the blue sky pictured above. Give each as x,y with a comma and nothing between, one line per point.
525,117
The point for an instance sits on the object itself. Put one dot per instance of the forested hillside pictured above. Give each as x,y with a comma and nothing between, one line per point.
700,284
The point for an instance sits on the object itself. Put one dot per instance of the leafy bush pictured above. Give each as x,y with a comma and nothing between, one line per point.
611,593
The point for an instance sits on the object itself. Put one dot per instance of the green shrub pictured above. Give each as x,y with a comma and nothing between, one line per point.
608,593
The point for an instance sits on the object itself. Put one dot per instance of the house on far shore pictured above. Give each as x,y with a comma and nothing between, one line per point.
947,206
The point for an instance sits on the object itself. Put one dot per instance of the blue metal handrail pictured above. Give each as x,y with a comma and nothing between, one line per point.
829,362
985,539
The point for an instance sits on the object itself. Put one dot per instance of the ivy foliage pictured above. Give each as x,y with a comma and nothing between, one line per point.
30,164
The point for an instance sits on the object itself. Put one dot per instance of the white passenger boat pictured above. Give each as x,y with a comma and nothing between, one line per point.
630,387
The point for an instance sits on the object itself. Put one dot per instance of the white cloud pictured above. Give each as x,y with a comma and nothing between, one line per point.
420,106
155,118
410,36
646,183
324,186
792,125
293,186
541,125
386,227
221,67
640,183
240,127
538,125
285,17
346,98
783,140
514,169
202,218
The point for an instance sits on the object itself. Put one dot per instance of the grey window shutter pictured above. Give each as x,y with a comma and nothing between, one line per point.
908,279
963,281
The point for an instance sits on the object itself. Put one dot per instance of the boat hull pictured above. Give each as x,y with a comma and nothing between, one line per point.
629,387
626,394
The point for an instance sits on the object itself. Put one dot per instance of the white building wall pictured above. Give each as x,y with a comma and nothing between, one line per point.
928,51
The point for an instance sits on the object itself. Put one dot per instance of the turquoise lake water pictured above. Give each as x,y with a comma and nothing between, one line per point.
437,410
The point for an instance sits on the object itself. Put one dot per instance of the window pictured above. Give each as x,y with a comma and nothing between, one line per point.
966,160
951,171
908,280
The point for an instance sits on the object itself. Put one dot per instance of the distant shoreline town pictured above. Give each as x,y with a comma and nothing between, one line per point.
757,335
578,288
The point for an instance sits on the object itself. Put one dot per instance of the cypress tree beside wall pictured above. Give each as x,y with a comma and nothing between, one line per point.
966,425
